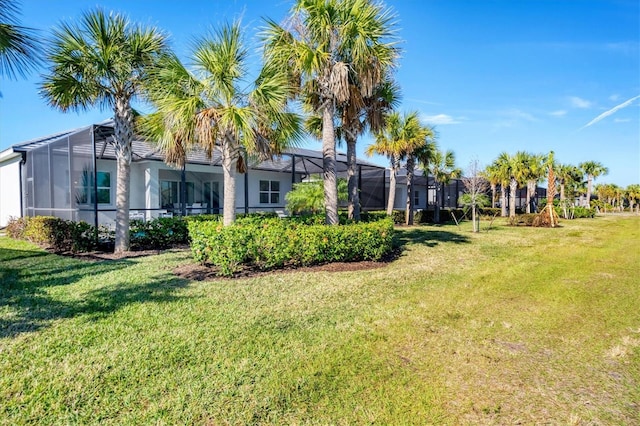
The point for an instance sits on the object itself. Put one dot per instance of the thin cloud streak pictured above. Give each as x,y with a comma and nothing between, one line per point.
611,111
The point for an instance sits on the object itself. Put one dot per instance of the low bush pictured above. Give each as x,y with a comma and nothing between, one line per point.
16,227
68,236
489,211
158,233
58,234
274,243
526,219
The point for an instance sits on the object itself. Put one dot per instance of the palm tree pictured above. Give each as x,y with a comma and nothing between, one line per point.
325,43
210,109
401,135
534,170
502,167
492,174
632,194
357,116
443,168
566,175
592,169
420,150
101,62
512,169
19,45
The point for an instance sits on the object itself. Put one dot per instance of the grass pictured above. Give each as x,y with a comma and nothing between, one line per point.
515,325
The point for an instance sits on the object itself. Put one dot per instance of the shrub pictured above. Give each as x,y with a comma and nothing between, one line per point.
158,233
16,227
58,234
274,243
526,219
489,211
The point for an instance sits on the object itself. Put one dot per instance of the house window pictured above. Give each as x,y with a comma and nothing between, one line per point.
269,192
85,193
416,198
171,193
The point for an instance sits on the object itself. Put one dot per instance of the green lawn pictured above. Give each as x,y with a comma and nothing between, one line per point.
514,325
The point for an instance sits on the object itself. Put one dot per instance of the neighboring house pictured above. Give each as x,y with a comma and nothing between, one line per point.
72,175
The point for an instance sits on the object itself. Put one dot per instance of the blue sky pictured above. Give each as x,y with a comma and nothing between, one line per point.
491,76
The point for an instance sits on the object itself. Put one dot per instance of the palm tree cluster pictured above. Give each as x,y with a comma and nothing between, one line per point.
526,170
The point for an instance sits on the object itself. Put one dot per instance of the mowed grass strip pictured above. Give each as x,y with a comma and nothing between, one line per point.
512,325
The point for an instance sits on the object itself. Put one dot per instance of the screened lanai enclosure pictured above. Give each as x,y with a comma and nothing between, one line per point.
72,175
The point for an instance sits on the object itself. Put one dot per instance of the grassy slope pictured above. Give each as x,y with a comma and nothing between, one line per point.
518,324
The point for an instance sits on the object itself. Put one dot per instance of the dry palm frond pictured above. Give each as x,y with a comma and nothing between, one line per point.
339,82
370,78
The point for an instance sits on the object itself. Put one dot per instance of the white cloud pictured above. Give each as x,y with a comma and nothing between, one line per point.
611,111
577,102
621,120
516,114
440,119
614,97
559,113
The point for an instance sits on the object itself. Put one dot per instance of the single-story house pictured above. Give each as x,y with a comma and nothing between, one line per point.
72,175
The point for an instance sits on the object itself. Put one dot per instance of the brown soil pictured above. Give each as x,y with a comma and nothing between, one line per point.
198,272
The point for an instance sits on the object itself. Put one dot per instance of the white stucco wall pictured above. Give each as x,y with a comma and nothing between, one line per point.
9,189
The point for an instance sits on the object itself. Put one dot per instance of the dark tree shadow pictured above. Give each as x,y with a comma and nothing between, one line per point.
26,275
429,236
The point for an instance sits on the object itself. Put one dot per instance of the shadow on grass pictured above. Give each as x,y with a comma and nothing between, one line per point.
429,236
26,304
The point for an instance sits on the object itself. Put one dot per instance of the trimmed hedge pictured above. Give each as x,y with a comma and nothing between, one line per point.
275,243
68,236
58,234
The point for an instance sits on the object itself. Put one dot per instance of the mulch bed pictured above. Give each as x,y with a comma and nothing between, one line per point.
198,272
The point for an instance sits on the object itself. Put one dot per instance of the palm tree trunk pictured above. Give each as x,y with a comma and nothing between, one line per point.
436,209
229,184
530,190
395,161
562,201
513,187
123,135
589,183
409,212
329,165
123,186
503,200
493,195
352,179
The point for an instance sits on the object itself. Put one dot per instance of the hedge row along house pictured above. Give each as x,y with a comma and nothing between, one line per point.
72,175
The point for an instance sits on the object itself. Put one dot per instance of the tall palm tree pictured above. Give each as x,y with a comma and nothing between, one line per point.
632,194
592,169
211,109
492,175
421,151
324,44
357,116
513,169
19,45
535,168
402,134
566,176
101,61
502,167
443,168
